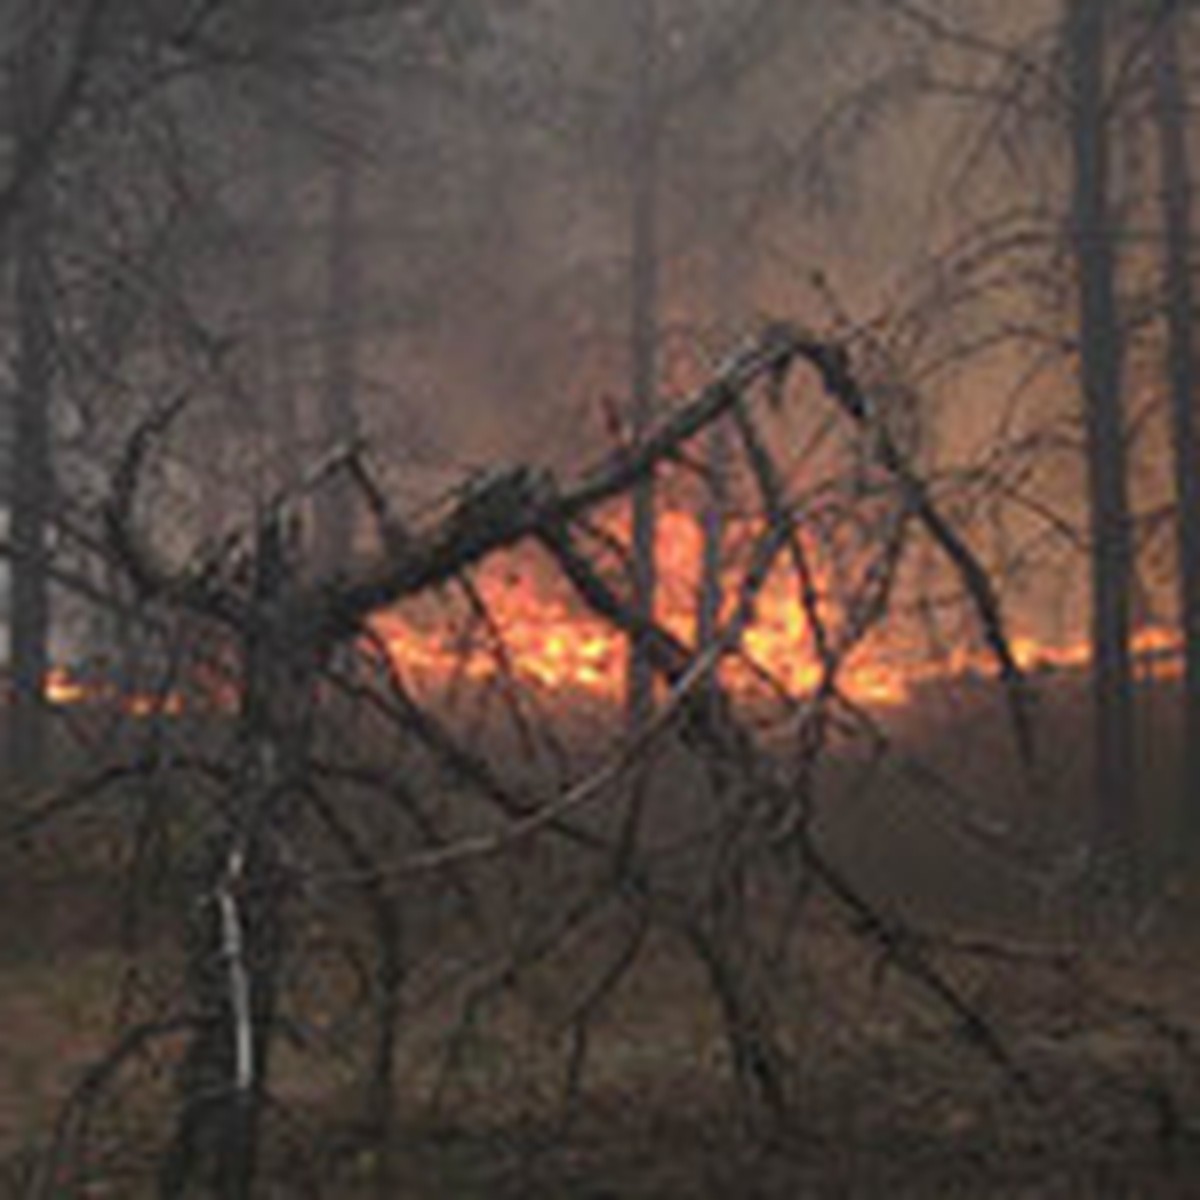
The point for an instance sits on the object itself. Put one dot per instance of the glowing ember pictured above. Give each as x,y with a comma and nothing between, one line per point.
61,688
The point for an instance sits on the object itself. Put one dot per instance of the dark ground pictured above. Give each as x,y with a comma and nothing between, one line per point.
887,1097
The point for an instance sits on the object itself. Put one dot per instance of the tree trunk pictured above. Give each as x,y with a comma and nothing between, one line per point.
713,518
643,333
237,911
282,410
32,487
1170,117
1100,340
726,302
338,418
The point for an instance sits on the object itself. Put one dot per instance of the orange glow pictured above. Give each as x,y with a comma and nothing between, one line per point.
1158,653
537,630
61,688
549,642
544,640
171,704
64,690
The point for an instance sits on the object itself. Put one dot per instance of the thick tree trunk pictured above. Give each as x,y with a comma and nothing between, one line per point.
643,339
31,482
1100,337
1170,114
238,903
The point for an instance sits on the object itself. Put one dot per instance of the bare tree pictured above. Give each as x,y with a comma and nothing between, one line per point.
1170,110
645,133
727,286
248,884
90,81
325,897
338,420
1100,339
31,468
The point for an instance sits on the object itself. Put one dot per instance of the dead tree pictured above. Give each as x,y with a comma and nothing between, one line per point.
334,507
31,464
1170,100
245,880
646,119
1100,351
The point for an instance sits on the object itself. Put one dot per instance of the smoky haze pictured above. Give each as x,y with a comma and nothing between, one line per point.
600,599
493,208
417,228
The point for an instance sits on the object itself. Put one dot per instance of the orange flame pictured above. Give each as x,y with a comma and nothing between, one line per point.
548,641
64,689
61,688
536,630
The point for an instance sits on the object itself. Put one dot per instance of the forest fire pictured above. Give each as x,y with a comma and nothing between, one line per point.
526,623
536,632
63,689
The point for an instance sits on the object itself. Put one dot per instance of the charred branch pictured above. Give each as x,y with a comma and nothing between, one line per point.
718,731
497,511
287,625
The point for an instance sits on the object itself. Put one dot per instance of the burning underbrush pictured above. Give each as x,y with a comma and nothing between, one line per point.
516,624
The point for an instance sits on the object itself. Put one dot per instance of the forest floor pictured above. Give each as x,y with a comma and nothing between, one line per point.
888,1096
888,1099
